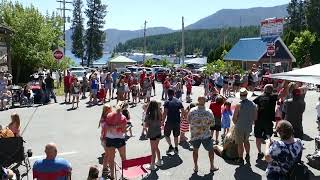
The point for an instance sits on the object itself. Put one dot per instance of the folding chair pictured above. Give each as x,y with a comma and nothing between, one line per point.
133,168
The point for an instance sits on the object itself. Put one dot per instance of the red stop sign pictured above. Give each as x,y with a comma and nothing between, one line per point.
271,51
57,54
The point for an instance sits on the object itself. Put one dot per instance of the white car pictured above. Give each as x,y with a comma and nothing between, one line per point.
79,74
78,68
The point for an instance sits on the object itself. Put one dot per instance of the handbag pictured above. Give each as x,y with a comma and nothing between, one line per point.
298,171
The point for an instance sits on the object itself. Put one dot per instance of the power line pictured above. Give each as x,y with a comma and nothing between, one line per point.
63,10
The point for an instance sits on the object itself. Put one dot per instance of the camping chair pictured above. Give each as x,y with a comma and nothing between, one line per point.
133,168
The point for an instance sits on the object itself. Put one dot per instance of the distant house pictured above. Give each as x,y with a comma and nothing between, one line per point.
249,51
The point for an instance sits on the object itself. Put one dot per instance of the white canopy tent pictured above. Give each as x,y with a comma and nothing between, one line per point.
309,74
201,61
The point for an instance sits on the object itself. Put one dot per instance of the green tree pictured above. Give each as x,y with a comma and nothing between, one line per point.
297,18
33,40
302,47
78,31
313,16
95,36
148,63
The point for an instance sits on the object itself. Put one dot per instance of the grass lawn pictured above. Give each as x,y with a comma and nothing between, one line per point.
59,91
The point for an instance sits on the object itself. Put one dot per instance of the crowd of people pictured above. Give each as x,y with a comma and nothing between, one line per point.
281,106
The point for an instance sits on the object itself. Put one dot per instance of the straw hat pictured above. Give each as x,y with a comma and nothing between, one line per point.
244,94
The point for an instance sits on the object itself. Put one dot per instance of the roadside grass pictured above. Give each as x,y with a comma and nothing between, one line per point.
59,90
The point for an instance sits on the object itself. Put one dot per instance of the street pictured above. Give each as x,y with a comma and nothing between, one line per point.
77,135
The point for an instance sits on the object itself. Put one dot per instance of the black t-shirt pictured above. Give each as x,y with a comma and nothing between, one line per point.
125,112
173,106
49,83
266,108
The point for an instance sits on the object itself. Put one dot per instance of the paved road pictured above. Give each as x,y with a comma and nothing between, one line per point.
77,136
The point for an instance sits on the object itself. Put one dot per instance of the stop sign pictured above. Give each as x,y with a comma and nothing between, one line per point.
57,54
271,50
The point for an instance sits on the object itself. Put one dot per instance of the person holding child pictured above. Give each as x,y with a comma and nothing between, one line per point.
184,125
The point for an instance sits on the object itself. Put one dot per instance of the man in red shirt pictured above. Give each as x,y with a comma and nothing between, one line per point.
215,107
67,86
152,78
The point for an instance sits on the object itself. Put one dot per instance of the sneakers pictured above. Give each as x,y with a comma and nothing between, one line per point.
260,156
170,149
176,151
159,163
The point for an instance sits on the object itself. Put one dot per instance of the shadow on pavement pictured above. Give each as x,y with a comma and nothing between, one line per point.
307,138
186,145
245,172
195,176
261,164
170,161
152,176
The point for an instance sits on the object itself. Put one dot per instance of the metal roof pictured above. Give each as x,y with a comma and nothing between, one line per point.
252,49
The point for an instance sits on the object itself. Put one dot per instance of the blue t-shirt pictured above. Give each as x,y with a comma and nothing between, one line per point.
219,80
173,106
94,84
54,169
114,76
226,118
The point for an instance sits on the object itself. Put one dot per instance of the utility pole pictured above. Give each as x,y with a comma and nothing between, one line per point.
63,10
145,41
182,43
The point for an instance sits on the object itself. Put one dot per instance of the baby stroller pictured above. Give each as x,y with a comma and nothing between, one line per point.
25,101
13,155
16,95
37,94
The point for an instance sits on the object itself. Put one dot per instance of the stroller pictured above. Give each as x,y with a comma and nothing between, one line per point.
16,95
13,155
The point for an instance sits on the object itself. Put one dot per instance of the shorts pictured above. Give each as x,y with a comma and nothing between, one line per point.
155,138
178,94
207,144
94,91
175,128
217,125
237,84
241,135
116,142
67,90
148,94
263,131
107,86
218,86
188,93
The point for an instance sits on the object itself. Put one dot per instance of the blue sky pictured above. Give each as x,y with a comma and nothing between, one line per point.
131,14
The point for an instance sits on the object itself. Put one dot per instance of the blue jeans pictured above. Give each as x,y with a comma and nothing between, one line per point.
50,93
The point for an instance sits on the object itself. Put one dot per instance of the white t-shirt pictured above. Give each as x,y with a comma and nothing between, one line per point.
255,76
318,109
103,77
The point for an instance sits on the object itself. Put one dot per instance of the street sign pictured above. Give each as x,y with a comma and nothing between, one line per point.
58,54
271,27
271,49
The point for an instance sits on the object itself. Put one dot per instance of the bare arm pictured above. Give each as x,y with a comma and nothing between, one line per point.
236,113
164,114
267,155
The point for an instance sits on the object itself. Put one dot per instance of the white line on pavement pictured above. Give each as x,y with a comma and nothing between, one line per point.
59,154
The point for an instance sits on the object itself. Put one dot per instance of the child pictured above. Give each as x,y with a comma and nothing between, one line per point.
318,113
189,89
226,118
134,92
278,115
144,130
75,90
126,113
184,126
14,125
215,107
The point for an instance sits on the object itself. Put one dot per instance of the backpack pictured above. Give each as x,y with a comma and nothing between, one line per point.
314,160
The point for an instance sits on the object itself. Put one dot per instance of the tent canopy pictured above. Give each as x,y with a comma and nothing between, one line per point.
196,61
122,59
309,74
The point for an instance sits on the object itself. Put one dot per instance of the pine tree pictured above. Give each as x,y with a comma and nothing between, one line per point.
78,31
297,15
313,15
95,37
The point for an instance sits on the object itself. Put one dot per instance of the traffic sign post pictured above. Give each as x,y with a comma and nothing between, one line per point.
271,52
58,54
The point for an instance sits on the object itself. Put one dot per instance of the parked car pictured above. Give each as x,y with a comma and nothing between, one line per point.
78,74
135,69
161,74
78,68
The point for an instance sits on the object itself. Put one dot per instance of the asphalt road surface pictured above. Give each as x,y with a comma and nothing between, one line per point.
77,135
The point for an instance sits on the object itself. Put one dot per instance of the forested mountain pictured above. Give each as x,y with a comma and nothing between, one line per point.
195,40
115,36
239,17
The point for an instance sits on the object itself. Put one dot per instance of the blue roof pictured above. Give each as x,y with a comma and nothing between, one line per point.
249,49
